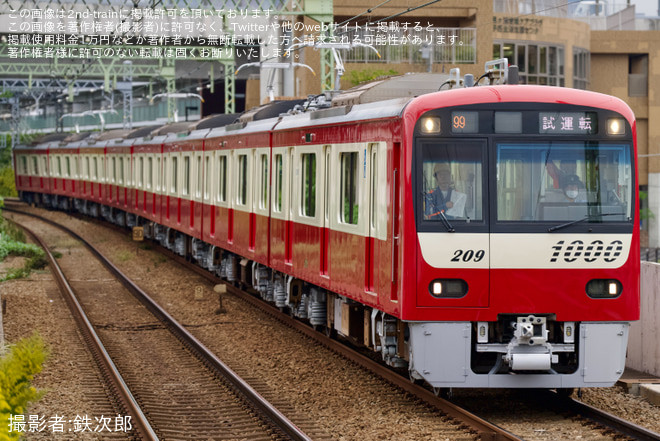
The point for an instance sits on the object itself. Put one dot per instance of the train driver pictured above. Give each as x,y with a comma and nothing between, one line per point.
444,198
571,187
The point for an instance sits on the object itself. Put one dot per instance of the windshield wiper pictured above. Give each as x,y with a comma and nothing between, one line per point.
445,221
577,221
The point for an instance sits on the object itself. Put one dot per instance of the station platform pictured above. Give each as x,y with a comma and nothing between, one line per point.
641,384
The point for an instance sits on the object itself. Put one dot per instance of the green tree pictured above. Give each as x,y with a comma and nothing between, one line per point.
645,212
362,76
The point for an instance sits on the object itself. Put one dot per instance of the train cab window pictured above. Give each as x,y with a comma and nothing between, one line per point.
241,196
452,183
278,181
186,175
349,203
308,203
564,181
222,178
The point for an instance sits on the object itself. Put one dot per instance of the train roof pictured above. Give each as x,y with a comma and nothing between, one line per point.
345,114
403,86
218,120
141,132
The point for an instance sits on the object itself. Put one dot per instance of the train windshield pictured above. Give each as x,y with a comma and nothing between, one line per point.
452,182
564,181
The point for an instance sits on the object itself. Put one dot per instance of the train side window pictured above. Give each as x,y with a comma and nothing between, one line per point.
207,180
113,177
309,184
222,178
200,176
140,171
263,200
44,161
278,181
23,165
59,166
35,166
157,175
87,168
175,174
150,173
374,185
186,175
328,175
95,170
349,204
241,196
121,170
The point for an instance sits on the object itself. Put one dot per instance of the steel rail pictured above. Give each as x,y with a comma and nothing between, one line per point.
603,418
145,431
279,420
485,429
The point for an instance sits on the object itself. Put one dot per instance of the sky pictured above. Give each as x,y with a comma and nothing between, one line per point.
646,7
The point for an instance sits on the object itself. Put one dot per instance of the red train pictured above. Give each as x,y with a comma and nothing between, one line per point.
481,236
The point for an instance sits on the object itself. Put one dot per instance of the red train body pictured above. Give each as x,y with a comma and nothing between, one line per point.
334,214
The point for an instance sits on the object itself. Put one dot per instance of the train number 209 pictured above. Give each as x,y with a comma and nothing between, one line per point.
468,255
577,249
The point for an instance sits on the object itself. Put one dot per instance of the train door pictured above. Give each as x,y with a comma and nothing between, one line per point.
197,190
288,255
377,229
395,199
325,228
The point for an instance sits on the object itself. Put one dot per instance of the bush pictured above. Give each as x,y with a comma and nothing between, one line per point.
17,370
12,242
7,182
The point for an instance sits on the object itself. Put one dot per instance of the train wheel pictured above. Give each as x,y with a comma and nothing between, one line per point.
565,391
443,392
330,332
417,381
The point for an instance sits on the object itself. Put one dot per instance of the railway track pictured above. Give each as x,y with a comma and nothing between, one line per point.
606,424
169,384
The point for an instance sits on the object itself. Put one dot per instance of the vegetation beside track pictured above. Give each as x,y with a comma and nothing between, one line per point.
18,367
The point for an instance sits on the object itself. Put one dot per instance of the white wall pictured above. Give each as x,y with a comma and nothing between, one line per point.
644,340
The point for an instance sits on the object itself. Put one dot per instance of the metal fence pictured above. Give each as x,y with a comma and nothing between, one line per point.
409,43
650,254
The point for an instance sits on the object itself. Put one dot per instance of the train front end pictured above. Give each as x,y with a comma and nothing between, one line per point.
525,237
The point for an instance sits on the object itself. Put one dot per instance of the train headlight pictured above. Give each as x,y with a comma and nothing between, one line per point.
448,288
604,288
430,124
616,126
569,332
482,332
